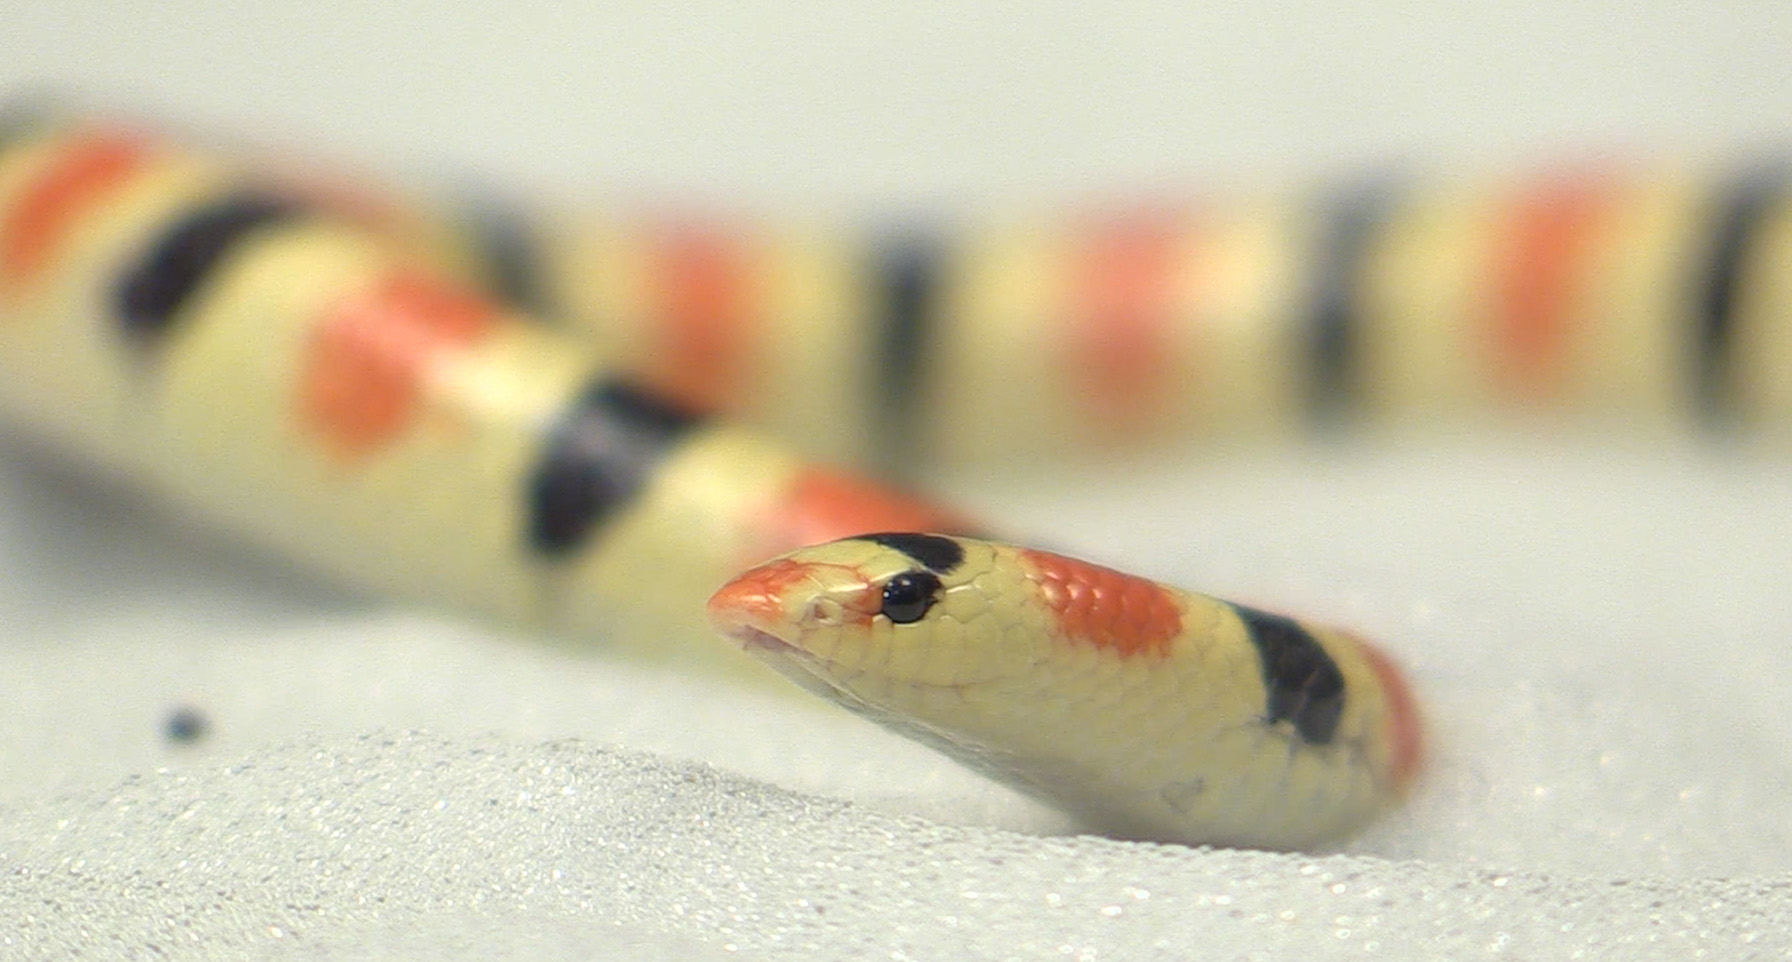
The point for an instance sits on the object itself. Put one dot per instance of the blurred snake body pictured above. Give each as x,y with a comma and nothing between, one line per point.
358,385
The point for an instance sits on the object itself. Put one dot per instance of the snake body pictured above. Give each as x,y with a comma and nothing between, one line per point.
1647,299
282,369
324,378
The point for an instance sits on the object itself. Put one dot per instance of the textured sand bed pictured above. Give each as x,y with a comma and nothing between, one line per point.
1600,637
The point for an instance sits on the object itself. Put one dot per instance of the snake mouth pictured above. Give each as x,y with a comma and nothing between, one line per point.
749,611
803,668
758,642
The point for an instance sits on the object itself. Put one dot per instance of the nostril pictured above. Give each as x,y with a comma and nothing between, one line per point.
826,611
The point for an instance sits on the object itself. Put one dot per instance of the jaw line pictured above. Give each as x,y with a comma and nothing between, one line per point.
801,667
813,674
804,669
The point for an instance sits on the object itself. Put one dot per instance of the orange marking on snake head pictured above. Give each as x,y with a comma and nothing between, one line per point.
89,166
763,601
1406,737
822,505
1120,612
755,599
369,358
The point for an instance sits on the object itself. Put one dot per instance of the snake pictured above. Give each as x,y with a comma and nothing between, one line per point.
527,423
1143,711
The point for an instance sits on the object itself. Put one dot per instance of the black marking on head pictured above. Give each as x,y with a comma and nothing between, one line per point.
186,725
1352,226
909,595
512,254
1305,685
597,458
908,275
1745,207
937,554
151,294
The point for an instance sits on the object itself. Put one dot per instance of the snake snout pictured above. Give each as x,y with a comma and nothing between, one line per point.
756,599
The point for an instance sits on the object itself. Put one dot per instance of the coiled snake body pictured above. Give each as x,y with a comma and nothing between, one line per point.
322,377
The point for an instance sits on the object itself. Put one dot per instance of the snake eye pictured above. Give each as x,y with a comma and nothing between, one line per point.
908,596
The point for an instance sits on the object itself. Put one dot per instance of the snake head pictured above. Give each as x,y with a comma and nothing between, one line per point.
878,619
1142,710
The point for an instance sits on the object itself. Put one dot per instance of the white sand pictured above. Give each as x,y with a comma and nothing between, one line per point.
1601,637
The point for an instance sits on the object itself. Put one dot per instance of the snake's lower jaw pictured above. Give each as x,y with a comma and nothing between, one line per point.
782,656
756,642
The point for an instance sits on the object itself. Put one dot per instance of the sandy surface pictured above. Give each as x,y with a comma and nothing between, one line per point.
1600,637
